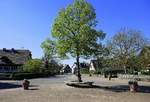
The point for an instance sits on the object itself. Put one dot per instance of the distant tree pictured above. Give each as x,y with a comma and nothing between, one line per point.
33,66
53,67
48,47
124,44
74,33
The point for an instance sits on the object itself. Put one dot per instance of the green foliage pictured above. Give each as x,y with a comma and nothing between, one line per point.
5,76
74,32
33,66
48,47
84,70
53,68
145,72
98,71
144,57
21,76
133,64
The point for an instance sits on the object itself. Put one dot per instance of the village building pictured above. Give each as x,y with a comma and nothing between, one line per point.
82,66
67,69
94,65
12,60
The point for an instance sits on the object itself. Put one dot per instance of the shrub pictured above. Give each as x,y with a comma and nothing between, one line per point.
98,71
84,70
145,72
53,67
5,76
21,76
33,66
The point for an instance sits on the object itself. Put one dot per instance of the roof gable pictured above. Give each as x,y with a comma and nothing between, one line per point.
14,56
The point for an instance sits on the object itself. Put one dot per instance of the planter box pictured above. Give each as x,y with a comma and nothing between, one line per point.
133,85
25,84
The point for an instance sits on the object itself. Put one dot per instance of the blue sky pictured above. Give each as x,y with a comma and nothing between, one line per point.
26,23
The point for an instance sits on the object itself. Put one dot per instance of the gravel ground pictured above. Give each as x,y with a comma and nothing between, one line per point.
55,90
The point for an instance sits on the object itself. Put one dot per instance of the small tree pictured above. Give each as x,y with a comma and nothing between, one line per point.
74,33
33,66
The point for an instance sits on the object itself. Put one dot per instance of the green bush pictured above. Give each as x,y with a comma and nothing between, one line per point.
33,66
5,76
21,76
144,72
84,71
98,71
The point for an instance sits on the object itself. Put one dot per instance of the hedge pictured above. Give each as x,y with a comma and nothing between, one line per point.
21,76
5,76
84,71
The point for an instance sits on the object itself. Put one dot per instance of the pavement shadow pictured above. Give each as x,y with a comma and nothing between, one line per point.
123,88
144,89
13,85
116,88
9,85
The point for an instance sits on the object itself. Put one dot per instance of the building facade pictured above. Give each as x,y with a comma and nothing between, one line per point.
12,60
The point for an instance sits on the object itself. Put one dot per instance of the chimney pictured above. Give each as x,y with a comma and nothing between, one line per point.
13,50
4,49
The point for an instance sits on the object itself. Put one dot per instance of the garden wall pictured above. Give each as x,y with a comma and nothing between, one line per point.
137,77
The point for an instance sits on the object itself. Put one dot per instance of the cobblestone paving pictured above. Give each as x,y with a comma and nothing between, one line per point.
55,90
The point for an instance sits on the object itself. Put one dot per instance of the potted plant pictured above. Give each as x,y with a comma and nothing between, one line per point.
133,85
25,84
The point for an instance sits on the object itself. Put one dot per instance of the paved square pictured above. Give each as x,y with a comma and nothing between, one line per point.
55,90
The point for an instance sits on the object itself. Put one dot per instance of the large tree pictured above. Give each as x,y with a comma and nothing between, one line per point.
124,44
74,33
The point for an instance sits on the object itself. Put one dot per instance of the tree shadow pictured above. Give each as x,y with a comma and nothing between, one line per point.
116,88
123,88
13,85
9,85
144,89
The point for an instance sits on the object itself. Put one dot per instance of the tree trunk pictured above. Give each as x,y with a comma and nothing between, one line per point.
46,62
125,69
125,64
78,69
